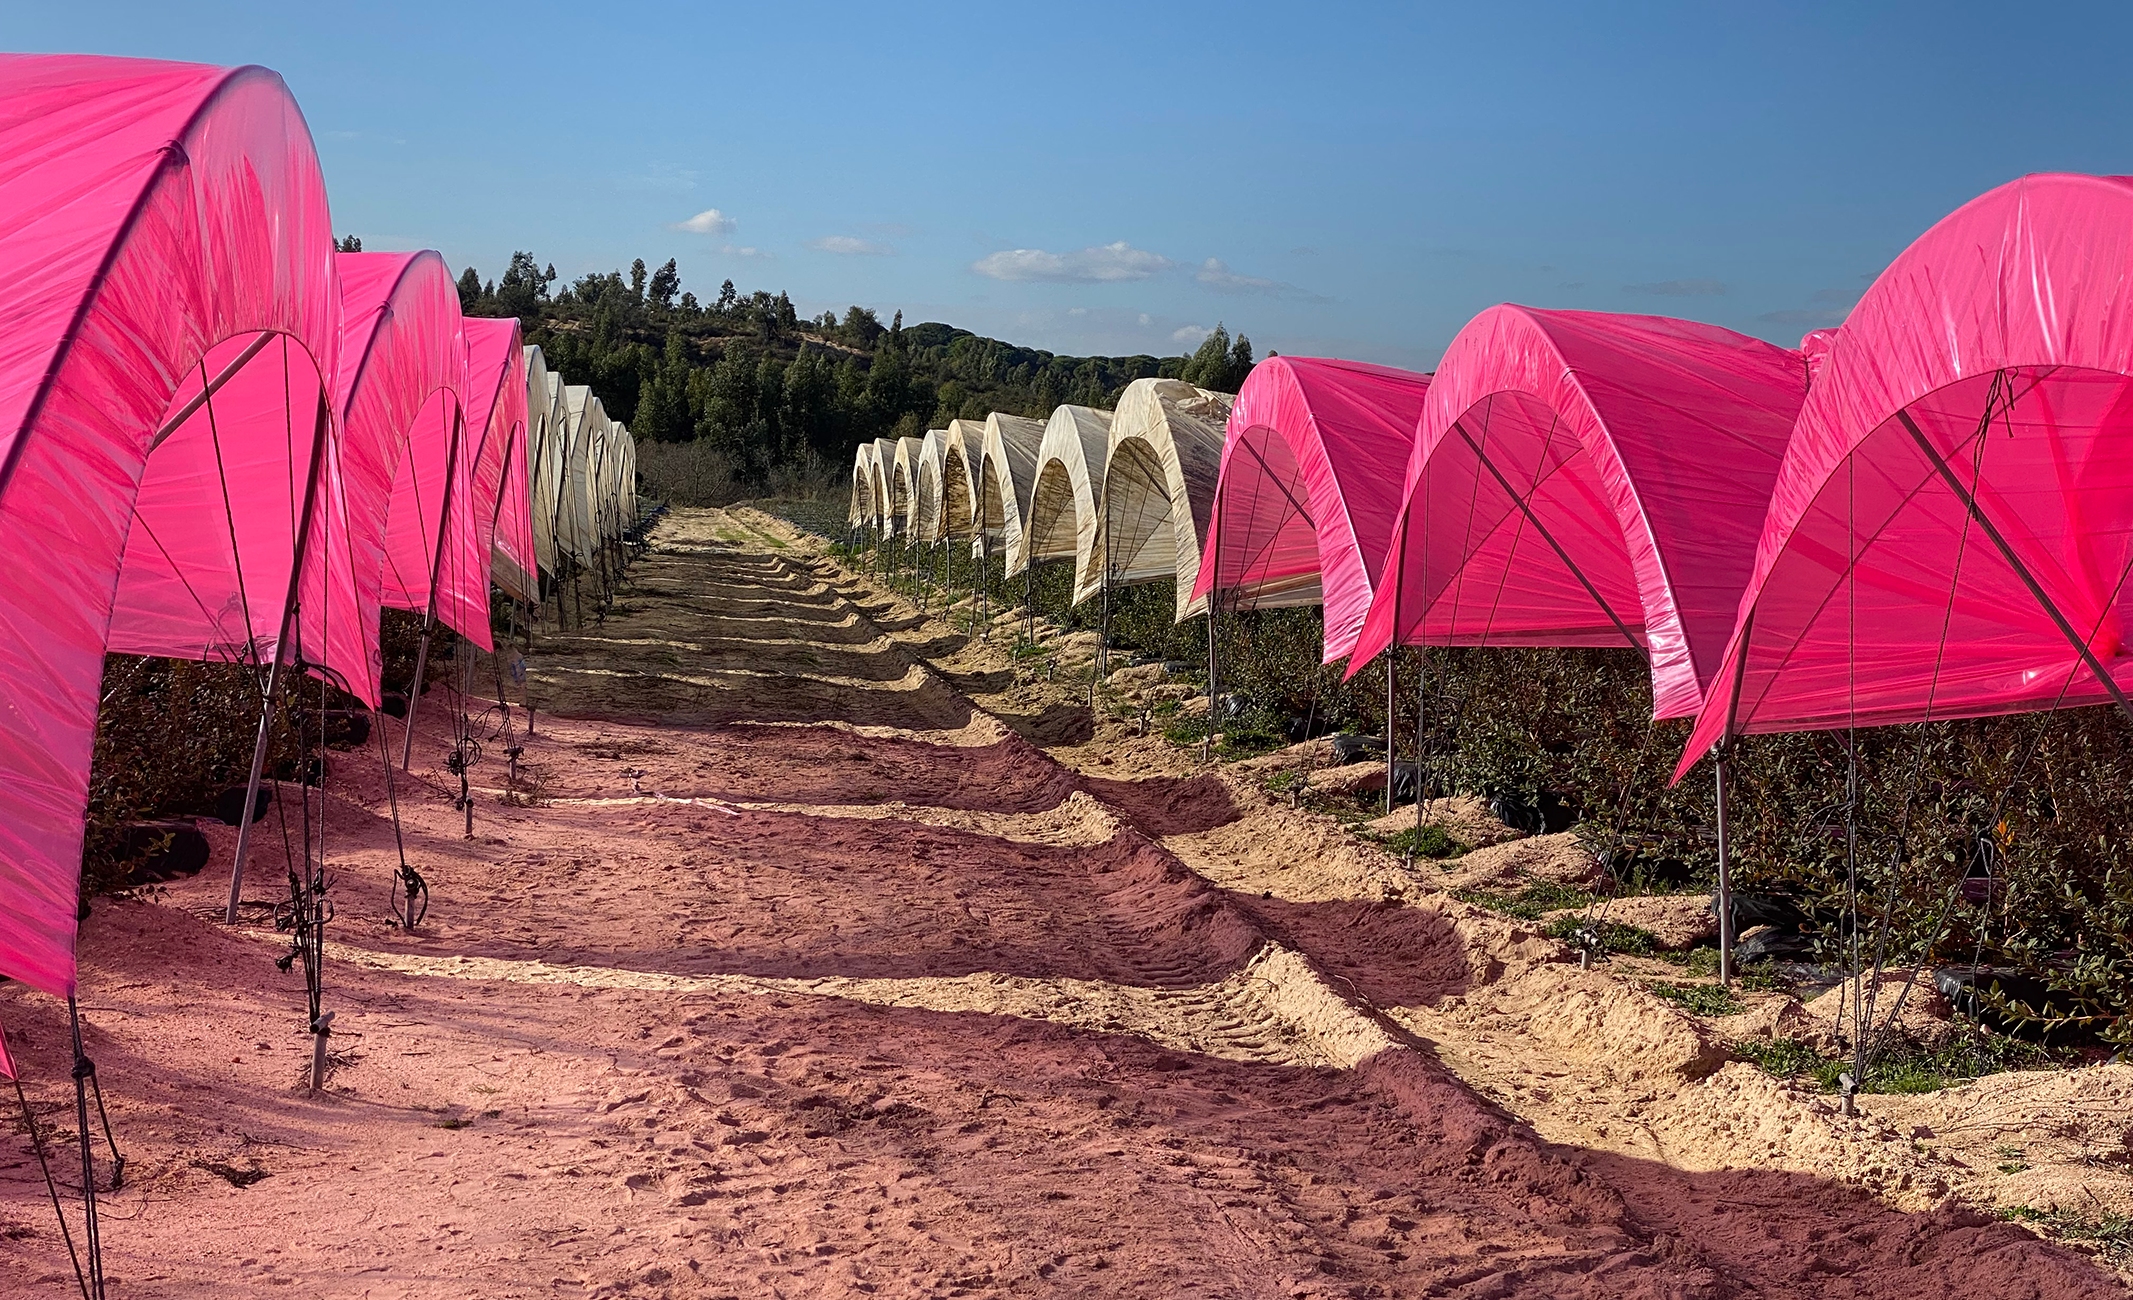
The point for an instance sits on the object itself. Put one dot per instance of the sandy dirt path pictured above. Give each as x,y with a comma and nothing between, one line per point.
822,954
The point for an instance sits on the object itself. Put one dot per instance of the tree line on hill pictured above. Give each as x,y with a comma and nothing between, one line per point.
776,395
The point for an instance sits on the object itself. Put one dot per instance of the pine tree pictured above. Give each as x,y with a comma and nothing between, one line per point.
1209,365
469,290
637,279
666,282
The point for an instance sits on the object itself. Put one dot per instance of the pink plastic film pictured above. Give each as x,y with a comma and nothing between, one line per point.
148,212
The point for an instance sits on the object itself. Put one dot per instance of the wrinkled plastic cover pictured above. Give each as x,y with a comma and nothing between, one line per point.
148,211
884,462
496,386
545,455
926,512
213,547
584,423
1310,488
1004,477
862,508
1063,507
1159,485
2005,335
961,450
1583,478
431,519
402,369
903,482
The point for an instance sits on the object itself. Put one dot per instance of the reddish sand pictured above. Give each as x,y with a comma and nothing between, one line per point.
637,1092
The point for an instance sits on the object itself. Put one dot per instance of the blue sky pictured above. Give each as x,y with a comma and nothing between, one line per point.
1336,180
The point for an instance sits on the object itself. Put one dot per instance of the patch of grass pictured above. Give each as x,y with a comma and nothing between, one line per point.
1789,1058
1240,743
1614,936
1699,999
454,1122
2110,1234
1903,1072
1528,904
1281,782
1427,841
1756,977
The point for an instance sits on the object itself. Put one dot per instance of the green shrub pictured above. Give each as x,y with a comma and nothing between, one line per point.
1700,999
1529,903
1614,936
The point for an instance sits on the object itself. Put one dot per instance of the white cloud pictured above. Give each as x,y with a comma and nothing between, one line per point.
731,250
1215,274
1077,311
850,246
1189,335
1144,318
708,222
1106,265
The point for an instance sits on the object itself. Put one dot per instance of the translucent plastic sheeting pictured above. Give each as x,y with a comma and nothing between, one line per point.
1063,502
862,509
542,455
414,370
496,401
903,482
1159,484
151,212
1951,530
614,460
961,449
599,474
884,468
1583,478
1310,489
1004,477
626,481
584,418
926,512
232,495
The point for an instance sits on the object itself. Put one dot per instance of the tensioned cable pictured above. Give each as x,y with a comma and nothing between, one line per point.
1940,651
229,515
1261,551
2035,743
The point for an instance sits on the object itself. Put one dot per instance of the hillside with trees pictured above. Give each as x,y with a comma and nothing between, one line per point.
779,400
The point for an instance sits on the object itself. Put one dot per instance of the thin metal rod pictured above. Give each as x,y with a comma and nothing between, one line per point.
1725,869
281,641
208,390
1548,537
1977,512
429,617
1421,731
1214,594
1392,655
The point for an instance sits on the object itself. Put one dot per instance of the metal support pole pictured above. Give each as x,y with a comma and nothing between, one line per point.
1421,732
251,791
429,617
414,689
288,622
1392,656
1725,871
1214,594
1392,659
